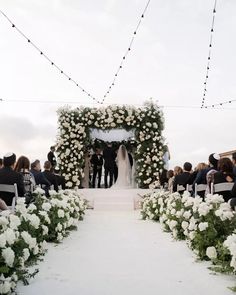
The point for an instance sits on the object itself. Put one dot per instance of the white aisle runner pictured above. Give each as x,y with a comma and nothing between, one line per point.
115,253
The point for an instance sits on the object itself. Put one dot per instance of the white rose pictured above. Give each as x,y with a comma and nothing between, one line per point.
211,252
184,225
60,213
203,226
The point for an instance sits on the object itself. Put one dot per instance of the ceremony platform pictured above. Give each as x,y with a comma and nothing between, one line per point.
114,200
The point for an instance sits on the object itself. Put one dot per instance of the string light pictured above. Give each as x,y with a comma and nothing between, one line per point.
68,77
218,106
124,57
209,56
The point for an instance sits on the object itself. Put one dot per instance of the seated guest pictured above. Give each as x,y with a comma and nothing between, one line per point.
163,178
183,178
22,166
201,177
3,205
97,163
9,176
232,201
234,162
40,179
60,179
1,164
177,170
225,174
49,175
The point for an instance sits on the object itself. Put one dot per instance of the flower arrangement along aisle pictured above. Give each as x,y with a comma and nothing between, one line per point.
24,235
74,136
209,226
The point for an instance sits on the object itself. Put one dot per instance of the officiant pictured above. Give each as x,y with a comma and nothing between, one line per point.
97,163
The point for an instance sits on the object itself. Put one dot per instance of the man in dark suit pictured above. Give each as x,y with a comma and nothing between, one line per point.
97,163
60,179
109,156
52,157
50,176
183,178
9,176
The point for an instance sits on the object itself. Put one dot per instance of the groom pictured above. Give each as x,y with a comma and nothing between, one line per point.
109,157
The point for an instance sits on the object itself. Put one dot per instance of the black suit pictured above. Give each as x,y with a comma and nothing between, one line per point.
97,162
61,181
52,159
9,176
51,178
182,179
109,156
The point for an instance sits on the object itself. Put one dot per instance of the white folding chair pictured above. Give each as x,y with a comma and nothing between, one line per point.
200,188
222,187
189,188
10,188
180,188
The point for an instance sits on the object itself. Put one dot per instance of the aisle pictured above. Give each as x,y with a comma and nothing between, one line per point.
115,253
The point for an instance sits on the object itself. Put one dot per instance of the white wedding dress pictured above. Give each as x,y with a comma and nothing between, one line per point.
124,169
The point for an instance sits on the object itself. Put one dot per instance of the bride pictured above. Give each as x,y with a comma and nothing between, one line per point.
124,169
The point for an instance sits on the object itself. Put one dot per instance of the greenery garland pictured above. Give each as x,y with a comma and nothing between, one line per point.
75,126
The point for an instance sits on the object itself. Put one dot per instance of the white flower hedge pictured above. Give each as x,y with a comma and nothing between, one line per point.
24,235
209,226
74,135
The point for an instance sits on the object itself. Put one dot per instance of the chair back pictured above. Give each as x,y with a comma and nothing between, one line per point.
189,188
180,188
200,188
222,187
10,188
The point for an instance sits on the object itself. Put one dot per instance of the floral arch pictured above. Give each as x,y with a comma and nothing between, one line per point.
74,136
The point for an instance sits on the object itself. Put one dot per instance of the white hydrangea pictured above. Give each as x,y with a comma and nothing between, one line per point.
9,256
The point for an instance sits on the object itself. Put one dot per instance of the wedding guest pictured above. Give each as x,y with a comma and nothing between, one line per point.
224,174
109,156
232,201
61,182
210,174
183,178
40,179
97,163
177,170
49,175
87,169
9,176
52,157
170,177
234,162
23,166
163,178
3,205
201,177
166,157
1,163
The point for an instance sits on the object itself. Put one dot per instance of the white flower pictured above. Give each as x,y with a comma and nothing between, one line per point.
26,254
5,287
184,225
60,213
46,206
203,209
45,230
32,207
14,221
10,236
34,220
203,226
172,224
192,235
28,239
211,252
2,240
39,190
9,256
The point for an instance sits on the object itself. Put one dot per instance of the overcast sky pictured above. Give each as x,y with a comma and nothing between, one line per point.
87,38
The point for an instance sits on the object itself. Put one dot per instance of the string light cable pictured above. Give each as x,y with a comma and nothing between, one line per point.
68,77
209,56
